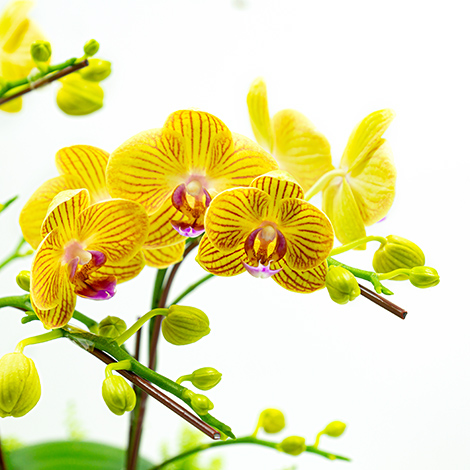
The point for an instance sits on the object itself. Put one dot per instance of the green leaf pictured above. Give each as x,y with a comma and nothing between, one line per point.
70,455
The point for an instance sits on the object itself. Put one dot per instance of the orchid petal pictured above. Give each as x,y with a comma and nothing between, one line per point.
257,101
64,211
47,273
341,208
233,214
162,258
218,263
303,282
147,168
279,185
308,232
373,185
300,149
122,271
238,164
34,212
88,165
366,137
117,228
61,314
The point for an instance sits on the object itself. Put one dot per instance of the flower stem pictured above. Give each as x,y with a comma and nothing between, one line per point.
392,274
139,324
323,181
55,334
191,288
16,254
243,440
6,204
356,243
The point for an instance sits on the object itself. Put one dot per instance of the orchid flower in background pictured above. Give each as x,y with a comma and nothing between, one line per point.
357,194
17,33
268,230
84,166
80,240
182,166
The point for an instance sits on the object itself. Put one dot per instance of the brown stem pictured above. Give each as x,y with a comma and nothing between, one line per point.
137,434
46,80
154,392
383,302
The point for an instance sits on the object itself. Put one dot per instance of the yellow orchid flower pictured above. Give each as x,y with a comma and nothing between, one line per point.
361,191
294,142
80,240
184,165
268,229
84,166
17,33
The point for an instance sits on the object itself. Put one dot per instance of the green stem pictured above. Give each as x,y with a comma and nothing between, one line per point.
55,334
366,275
16,254
392,274
356,243
121,365
323,181
243,440
139,324
191,288
6,204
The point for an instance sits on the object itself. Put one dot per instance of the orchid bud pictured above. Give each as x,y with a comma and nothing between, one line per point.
334,429
272,420
118,394
424,277
201,404
13,106
91,47
293,445
79,97
111,327
185,325
41,51
397,253
205,378
20,388
342,285
96,71
24,280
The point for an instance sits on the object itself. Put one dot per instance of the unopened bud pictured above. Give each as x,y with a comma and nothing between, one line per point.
205,378
20,388
118,395
397,253
111,327
185,325
293,445
201,404
91,47
424,277
272,420
41,51
96,71
79,97
334,429
342,285
24,280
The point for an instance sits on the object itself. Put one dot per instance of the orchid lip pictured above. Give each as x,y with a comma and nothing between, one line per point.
261,271
187,230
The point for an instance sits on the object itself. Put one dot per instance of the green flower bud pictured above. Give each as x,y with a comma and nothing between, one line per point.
397,253
424,277
111,327
334,429
185,325
272,420
205,378
201,404
96,71
41,51
24,280
118,394
79,97
91,47
342,285
20,388
293,445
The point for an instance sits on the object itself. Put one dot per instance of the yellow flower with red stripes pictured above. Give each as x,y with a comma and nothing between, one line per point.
81,243
84,166
183,166
269,230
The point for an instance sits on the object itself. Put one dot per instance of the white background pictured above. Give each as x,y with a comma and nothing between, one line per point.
401,386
